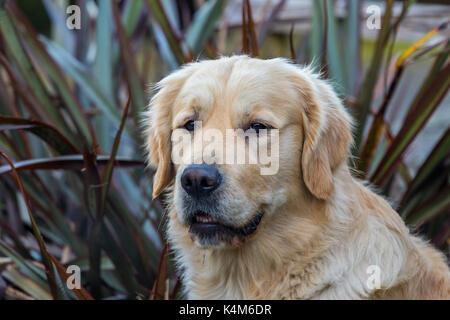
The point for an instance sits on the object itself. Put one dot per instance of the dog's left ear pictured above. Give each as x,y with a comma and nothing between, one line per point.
158,133
327,135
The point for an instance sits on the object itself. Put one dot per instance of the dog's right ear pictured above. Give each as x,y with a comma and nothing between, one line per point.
327,134
158,129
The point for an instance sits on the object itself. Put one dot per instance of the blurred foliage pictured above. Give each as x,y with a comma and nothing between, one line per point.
74,189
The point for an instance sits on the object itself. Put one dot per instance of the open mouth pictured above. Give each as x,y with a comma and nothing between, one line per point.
205,226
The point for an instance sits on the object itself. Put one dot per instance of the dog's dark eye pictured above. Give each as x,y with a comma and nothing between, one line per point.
190,125
258,126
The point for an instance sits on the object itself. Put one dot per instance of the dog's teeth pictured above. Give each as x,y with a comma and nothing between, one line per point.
204,219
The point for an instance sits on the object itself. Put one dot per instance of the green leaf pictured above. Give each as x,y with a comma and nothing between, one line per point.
30,270
439,203
315,48
93,199
107,173
27,284
118,254
334,56
131,12
81,76
352,46
203,25
160,282
103,66
249,40
43,250
69,162
71,104
15,49
438,154
46,132
172,38
365,95
134,85
423,107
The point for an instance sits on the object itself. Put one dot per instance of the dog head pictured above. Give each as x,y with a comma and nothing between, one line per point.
208,114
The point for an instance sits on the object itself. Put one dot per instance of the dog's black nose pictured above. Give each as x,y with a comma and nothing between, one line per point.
200,180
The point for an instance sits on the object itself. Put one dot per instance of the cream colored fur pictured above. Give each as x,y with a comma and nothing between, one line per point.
321,229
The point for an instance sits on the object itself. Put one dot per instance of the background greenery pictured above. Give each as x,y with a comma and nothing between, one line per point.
74,189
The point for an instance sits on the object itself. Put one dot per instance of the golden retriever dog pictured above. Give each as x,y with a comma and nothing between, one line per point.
308,231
